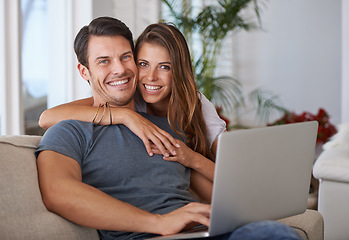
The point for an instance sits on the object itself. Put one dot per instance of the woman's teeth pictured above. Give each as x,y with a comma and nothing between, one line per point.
152,88
118,82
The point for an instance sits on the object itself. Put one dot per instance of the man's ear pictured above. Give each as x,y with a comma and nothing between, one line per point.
84,72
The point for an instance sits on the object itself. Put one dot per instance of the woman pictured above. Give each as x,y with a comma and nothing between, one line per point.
166,88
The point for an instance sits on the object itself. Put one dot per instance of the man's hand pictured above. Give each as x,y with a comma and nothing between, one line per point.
184,218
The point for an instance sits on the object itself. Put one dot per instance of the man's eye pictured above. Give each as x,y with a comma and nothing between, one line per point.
103,61
126,57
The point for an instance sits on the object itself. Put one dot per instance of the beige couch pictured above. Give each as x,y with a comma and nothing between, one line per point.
23,215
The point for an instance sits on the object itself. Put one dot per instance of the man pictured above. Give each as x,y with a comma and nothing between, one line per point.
101,176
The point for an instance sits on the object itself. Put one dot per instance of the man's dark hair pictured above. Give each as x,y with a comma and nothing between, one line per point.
102,26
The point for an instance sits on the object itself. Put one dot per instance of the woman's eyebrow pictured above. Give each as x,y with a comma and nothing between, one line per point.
165,63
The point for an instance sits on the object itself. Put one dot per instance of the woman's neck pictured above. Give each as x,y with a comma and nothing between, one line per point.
157,109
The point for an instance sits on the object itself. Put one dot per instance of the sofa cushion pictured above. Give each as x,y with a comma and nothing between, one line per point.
309,225
22,213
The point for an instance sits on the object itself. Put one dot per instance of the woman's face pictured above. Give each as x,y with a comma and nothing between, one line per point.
155,74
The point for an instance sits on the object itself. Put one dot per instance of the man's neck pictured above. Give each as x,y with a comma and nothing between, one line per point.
130,105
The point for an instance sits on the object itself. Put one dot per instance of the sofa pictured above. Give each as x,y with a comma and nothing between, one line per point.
332,170
24,216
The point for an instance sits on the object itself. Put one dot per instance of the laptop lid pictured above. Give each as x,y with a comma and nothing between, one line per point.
262,174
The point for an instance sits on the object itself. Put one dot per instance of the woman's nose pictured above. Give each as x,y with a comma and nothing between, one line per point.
151,75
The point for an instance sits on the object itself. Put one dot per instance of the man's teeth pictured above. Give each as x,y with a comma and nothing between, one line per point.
152,88
118,82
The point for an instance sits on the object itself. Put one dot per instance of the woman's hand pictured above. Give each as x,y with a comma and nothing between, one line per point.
191,159
185,155
151,135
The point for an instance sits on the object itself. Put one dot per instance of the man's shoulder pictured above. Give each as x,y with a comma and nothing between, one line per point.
69,127
70,123
69,137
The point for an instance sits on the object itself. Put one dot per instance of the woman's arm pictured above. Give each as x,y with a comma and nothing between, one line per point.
84,111
194,160
200,187
202,176
201,181
77,110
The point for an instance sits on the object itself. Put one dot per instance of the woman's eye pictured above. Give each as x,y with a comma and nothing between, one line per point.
165,67
142,64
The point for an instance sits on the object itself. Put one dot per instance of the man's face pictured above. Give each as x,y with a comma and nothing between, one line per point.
112,70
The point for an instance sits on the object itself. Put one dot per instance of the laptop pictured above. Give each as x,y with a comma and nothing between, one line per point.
260,174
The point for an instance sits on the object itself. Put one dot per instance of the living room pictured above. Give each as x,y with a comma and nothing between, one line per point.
298,53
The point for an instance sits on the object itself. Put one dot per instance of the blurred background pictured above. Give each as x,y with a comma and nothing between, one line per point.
278,56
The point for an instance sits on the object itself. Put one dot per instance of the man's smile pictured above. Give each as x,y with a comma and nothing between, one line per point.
118,82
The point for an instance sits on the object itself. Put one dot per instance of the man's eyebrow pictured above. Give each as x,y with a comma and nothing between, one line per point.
105,57
129,52
101,57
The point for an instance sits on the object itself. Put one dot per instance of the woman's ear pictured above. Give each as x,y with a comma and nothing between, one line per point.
84,72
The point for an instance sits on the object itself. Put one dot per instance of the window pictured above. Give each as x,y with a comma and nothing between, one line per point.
35,62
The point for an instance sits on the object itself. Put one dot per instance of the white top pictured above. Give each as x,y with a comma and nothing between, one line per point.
214,124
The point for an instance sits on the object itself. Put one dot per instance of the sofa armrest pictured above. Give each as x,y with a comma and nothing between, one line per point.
310,224
22,213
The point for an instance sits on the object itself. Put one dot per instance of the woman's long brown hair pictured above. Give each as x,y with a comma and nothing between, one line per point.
184,109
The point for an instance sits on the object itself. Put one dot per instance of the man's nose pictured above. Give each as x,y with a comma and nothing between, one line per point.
118,68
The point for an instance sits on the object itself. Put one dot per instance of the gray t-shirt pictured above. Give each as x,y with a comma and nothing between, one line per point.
114,160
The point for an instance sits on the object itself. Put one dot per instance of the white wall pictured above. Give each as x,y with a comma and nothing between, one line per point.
297,56
137,14
345,61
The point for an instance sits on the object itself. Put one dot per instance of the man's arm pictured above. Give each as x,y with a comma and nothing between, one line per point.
64,193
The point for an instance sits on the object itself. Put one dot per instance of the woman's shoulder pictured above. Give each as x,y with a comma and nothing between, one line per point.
214,124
